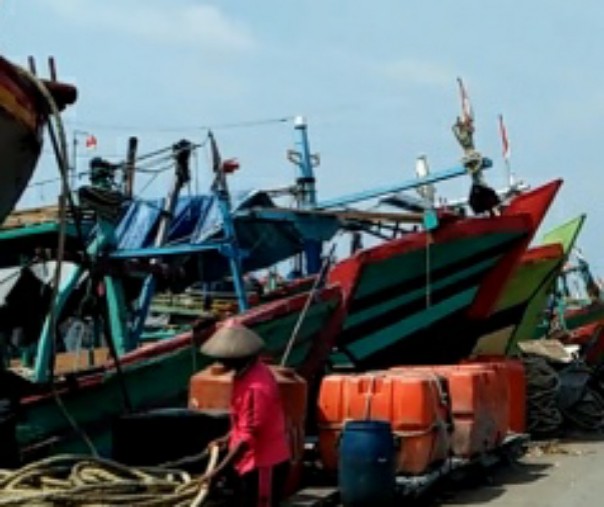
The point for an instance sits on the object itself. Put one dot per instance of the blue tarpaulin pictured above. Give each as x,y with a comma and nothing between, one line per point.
264,238
198,221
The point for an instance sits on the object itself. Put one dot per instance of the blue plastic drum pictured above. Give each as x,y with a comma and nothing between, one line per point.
366,468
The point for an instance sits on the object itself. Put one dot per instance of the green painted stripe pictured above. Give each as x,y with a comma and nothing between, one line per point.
405,267
388,336
525,282
405,298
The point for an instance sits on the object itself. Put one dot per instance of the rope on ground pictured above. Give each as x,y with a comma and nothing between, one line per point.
562,397
82,481
542,386
581,405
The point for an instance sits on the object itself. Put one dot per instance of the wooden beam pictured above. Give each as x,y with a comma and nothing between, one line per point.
371,216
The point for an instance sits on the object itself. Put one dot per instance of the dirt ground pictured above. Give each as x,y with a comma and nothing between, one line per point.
562,473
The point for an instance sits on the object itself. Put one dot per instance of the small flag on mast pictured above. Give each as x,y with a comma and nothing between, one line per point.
466,105
505,143
91,142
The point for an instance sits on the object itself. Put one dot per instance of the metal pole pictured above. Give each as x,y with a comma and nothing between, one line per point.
181,152
307,197
129,170
74,161
221,191
306,177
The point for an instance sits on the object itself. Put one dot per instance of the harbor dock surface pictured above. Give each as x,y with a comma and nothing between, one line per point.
561,474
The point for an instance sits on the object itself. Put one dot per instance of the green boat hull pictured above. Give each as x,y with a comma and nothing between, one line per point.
516,302
422,299
150,382
404,309
530,327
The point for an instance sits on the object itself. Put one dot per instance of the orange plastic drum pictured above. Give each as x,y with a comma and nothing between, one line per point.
479,422
513,370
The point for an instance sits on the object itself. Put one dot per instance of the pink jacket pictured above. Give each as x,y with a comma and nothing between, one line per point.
257,418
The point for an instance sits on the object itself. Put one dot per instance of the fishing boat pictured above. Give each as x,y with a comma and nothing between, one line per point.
421,298
24,112
566,236
69,396
537,266
54,392
571,310
523,302
55,395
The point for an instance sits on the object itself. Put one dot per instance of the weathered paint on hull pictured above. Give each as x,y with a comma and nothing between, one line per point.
23,114
399,303
537,268
20,137
566,236
421,299
153,379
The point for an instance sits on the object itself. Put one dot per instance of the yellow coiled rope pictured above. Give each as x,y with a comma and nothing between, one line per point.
82,481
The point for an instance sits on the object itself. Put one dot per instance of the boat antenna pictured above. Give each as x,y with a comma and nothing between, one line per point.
505,151
482,197
463,128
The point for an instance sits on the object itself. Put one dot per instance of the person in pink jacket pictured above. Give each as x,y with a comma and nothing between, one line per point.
257,443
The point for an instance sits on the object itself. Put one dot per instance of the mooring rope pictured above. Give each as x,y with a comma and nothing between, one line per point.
82,481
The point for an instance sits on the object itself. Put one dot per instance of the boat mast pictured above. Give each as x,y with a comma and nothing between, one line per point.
306,194
106,202
231,247
182,154
130,167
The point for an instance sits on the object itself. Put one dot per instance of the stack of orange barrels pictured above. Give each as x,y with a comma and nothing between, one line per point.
436,412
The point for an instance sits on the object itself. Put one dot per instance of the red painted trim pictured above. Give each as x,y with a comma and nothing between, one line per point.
544,252
583,310
263,313
532,205
535,202
469,227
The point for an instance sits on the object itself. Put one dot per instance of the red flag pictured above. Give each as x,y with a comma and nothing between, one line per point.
230,165
466,106
504,139
91,142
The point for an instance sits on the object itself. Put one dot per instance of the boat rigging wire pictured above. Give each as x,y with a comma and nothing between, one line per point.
218,126
319,278
59,143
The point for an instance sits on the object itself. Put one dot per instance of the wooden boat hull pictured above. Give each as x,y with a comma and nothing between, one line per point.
575,318
23,114
421,299
538,267
158,375
566,236
20,136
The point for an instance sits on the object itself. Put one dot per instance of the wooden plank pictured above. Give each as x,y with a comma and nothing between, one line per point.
40,215
319,496
67,362
414,218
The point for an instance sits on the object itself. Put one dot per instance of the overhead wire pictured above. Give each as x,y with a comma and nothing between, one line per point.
184,128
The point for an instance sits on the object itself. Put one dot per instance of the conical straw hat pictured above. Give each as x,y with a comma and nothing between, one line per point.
232,341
